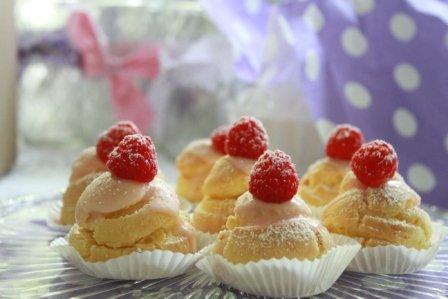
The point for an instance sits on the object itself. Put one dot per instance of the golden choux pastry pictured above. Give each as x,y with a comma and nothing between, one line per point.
194,164
320,184
85,169
129,209
228,178
387,212
115,217
90,164
268,230
270,221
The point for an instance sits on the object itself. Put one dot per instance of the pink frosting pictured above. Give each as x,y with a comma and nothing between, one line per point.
108,194
242,164
339,163
86,163
203,149
253,212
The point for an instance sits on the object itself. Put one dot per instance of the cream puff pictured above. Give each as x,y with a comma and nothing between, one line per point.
195,162
321,182
228,179
375,205
129,209
89,165
270,220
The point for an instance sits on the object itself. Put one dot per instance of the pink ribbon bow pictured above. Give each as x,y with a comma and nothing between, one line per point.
128,101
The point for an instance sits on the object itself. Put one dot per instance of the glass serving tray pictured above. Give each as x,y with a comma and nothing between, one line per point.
28,268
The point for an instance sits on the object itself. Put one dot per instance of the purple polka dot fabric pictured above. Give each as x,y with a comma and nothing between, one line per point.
381,65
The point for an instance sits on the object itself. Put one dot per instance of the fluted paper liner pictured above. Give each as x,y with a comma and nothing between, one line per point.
392,259
135,266
284,277
54,216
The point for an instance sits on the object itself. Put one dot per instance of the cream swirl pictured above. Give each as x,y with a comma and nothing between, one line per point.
350,181
86,163
242,164
108,194
203,149
253,212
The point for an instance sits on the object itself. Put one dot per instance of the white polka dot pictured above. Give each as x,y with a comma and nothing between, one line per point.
363,7
357,95
354,42
405,122
253,6
407,77
446,142
312,65
421,177
324,127
402,27
313,18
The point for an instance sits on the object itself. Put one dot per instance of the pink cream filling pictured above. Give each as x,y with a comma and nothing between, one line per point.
108,194
86,163
242,164
203,149
253,212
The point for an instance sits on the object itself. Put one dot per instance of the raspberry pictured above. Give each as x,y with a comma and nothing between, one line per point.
375,163
219,137
344,141
109,139
134,159
274,178
247,138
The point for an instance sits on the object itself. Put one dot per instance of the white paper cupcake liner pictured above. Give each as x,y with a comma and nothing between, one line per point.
54,215
392,259
284,277
316,211
135,266
205,239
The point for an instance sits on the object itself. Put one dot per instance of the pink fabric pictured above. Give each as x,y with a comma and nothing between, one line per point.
128,101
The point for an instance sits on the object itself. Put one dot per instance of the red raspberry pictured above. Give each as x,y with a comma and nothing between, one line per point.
134,159
375,163
274,178
247,138
109,139
219,137
344,141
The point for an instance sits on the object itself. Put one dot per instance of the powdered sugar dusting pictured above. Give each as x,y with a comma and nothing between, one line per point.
242,164
202,149
253,212
274,178
394,193
344,141
135,158
374,163
109,139
299,229
247,138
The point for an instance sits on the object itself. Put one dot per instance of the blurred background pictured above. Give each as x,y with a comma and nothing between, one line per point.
70,69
